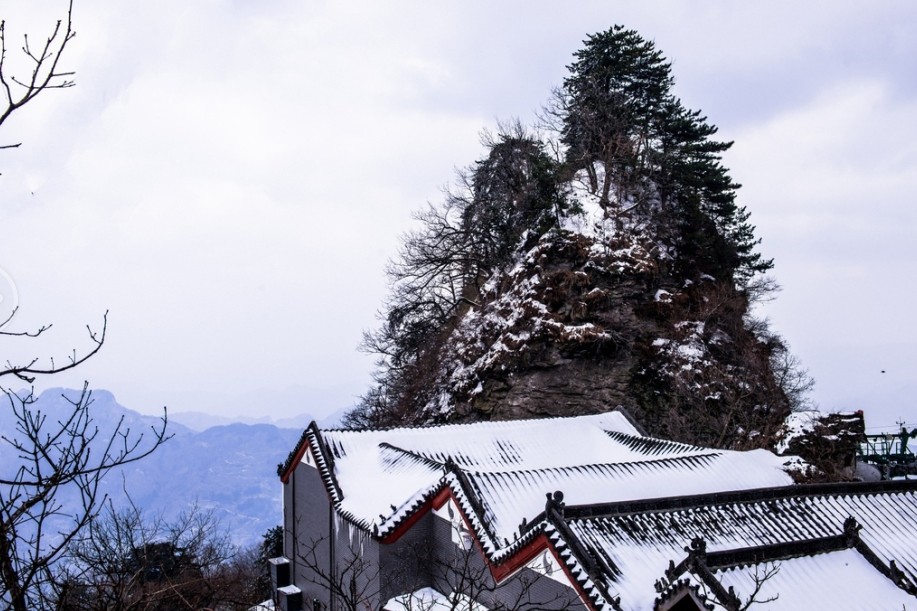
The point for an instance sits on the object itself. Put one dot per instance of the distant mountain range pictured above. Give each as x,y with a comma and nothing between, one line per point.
201,421
223,466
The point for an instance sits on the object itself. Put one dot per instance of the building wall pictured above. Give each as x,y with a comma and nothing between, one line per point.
357,559
307,518
459,566
437,551
406,563
310,525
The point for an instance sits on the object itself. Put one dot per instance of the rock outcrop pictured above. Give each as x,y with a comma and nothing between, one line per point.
591,318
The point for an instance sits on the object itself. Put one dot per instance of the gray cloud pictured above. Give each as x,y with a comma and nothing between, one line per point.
228,178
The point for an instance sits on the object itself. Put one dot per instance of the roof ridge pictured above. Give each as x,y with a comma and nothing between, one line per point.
616,508
434,425
726,559
593,570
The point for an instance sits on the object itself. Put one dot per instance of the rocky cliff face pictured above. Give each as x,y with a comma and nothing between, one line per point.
554,336
591,318
827,443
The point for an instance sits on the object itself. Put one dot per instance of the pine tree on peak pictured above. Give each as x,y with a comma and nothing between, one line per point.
649,157
609,105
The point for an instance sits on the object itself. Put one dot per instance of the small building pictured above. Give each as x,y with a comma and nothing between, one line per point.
578,513
890,454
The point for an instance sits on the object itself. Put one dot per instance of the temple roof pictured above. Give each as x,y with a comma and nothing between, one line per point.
512,465
630,518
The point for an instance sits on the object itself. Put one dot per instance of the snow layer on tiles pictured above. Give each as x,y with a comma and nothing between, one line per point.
641,545
376,482
510,496
842,580
428,599
525,444
380,473
592,459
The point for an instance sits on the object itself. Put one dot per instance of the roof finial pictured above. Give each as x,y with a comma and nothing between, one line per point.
670,571
851,530
697,551
555,502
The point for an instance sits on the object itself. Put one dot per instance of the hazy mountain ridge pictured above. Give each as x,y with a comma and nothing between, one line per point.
201,421
229,469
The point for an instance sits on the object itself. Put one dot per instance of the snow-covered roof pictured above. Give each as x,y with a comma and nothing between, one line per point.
639,540
631,504
509,496
836,580
510,466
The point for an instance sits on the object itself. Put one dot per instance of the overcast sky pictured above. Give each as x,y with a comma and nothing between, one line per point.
228,178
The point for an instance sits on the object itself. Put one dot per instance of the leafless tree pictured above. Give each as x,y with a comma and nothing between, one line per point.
356,580
44,70
54,462
470,580
127,561
27,371
441,268
350,583
761,574
793,378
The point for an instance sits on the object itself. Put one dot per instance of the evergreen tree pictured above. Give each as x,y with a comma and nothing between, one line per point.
513,191
647,156
610,106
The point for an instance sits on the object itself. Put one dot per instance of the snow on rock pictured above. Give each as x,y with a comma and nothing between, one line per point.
549,296
568,325
795,426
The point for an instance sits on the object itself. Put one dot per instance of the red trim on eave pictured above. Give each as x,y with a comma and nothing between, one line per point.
434,502
526,553
409,522
576,585
498,571
444,494
297,458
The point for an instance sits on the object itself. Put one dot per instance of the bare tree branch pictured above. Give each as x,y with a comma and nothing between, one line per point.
762,575
29,371
50,485
128,561
460,571
45,70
